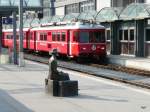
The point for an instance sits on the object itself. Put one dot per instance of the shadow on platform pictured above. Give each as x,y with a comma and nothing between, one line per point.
89,97
9,104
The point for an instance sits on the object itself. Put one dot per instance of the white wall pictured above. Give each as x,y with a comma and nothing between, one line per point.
103,3
60,10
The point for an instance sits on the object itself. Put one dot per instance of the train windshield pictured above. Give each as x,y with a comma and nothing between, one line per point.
97,37
92,37
84,37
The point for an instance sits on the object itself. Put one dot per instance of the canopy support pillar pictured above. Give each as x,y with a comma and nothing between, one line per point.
139,52
115,44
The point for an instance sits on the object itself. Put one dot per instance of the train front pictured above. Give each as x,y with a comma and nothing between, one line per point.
90,40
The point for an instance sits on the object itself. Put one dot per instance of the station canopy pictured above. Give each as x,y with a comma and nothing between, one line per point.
35,22
135,11
108,14
27,23
6,6
70,17
56,18
45,20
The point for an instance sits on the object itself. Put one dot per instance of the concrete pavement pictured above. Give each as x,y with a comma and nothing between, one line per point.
22,90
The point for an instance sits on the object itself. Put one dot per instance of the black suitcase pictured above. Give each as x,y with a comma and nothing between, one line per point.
68,88
51,87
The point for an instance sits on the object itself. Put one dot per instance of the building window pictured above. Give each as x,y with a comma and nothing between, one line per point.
126,35
120,35
132,35
72,8
87,6
147,34
107,34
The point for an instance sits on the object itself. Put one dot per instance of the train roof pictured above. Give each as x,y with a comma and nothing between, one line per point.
68,26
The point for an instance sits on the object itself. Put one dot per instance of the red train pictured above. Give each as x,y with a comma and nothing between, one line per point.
75,39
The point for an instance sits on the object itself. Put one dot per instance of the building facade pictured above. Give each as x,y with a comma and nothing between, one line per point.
124,3
62,7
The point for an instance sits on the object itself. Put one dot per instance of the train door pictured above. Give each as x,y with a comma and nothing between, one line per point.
69,43
29,36
32,40
35,40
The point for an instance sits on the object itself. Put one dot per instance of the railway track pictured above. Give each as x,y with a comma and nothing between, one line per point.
113,72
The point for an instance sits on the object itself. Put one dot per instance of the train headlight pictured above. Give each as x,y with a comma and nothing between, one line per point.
102,48
84,48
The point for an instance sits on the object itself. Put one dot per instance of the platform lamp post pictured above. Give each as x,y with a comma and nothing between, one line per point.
14,39
21,54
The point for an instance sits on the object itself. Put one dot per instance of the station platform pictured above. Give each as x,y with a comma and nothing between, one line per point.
129,61
22,90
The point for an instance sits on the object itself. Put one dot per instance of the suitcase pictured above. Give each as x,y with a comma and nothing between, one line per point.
68,88
51,87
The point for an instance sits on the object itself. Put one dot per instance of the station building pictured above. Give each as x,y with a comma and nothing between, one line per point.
127,22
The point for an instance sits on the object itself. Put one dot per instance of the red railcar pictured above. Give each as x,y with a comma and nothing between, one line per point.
74,40
8,38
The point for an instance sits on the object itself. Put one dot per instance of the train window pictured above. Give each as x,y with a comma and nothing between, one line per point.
58,36
84,37
45,37
63,36
9,36
120,34
97,37
102,36
41,36
75,36
93,37
125,34
53,36
132,35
